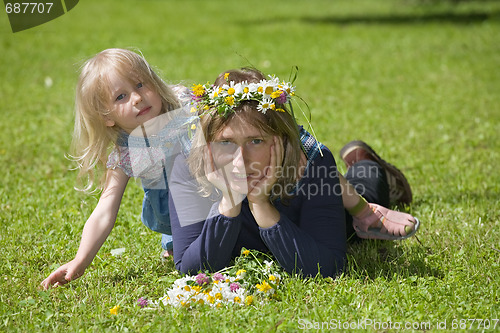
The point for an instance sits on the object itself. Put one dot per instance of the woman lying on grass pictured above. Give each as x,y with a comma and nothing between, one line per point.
276,188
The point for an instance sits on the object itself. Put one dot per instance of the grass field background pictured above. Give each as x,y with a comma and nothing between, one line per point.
417,80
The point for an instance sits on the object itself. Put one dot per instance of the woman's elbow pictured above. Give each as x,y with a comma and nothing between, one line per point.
331,268
182,268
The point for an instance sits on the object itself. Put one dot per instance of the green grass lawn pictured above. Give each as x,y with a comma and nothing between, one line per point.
418,80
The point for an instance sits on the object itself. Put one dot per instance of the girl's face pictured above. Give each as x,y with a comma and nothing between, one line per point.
243,152
131,104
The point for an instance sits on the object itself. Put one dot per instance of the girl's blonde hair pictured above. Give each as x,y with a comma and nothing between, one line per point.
92,139
273,123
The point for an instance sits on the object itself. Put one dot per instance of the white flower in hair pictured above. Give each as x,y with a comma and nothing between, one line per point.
253,87
270,94
288,88
267,87
248,90
238,87
225,90
266,104
213,93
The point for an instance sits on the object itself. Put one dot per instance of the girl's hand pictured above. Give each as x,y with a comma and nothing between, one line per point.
64,274
262,190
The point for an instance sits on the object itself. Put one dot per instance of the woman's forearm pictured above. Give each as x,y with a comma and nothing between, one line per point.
265,214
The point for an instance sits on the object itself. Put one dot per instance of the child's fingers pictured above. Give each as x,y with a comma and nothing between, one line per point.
53,280
45,284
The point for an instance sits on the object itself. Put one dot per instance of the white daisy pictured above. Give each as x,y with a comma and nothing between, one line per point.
246,90
264,105
238,88
268,87
288,88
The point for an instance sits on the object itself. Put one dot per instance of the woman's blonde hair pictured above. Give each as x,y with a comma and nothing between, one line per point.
272,123
92,139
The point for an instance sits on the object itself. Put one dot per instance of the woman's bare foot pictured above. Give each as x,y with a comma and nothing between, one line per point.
382,223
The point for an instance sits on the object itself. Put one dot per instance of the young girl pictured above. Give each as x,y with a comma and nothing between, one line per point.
121,102
251,157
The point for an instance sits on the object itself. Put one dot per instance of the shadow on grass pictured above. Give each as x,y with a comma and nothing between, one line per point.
465,196
394,19
400,19
372,259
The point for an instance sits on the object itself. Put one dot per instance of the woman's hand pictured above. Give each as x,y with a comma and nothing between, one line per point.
231,200
64,274
262,190
265,214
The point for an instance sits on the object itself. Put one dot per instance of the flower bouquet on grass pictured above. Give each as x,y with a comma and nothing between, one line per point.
254,277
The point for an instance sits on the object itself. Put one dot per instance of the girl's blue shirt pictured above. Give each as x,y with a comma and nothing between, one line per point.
149,157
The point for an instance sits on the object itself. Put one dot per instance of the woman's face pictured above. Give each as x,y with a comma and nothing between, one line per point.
243,153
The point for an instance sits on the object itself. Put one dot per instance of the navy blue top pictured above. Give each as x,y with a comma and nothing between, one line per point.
309,238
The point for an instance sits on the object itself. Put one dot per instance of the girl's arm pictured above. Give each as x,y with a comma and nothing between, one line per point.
95,231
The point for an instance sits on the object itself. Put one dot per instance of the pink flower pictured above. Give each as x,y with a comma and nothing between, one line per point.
218,277
234,286
142,302
202,278
282,98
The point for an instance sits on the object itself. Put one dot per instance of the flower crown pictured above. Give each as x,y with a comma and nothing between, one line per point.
271,95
